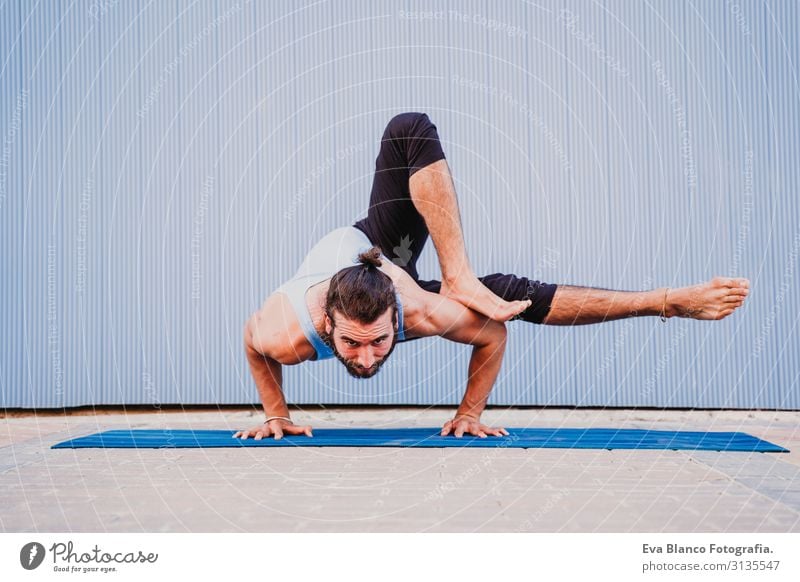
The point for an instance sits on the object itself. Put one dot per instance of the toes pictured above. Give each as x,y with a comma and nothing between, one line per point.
723,314
521,306
733,299
731,283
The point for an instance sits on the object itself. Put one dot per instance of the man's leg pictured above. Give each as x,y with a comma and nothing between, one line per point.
513,289
712,300
571,305
393,223
434,195
413,196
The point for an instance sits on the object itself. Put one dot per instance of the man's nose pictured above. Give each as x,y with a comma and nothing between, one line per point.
366,358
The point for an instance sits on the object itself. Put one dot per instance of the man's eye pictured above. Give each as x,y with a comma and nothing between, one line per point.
379,341
351,343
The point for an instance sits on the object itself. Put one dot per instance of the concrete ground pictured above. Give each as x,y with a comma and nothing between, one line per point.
398,490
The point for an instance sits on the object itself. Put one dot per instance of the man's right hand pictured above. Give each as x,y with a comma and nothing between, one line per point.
277,428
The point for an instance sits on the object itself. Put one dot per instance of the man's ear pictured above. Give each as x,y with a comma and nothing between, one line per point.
328,325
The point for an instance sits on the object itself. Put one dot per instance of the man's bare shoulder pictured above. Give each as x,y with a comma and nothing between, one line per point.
275,331
418,304
427,314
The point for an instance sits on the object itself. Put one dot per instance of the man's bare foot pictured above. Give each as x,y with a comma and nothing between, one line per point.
714,299
478,297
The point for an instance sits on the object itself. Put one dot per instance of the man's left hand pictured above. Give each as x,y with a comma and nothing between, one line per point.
462,425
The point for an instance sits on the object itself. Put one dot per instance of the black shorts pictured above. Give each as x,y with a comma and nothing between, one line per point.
409,143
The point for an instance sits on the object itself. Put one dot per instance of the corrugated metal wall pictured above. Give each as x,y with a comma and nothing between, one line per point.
166,165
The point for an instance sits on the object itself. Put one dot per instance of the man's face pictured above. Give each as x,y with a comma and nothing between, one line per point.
361,347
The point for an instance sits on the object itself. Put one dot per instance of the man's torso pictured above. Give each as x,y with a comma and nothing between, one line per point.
288,331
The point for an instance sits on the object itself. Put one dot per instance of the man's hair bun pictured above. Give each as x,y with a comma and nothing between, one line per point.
362,292
372,257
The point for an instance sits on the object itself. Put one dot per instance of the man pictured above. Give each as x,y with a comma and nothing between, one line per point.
357,313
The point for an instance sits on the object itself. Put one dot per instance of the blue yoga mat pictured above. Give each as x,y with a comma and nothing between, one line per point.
526,438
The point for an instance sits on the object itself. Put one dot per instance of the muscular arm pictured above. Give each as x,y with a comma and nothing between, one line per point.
449,319
267,373
272,338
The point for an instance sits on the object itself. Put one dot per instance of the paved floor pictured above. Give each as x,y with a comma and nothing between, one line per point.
406,490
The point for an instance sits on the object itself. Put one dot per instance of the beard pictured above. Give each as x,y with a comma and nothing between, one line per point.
353,368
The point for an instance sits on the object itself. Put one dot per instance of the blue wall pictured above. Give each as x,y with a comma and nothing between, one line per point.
165,165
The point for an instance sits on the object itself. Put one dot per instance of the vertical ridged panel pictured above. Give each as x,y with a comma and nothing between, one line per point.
165,166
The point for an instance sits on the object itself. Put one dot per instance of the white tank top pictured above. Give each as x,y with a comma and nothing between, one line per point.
337,250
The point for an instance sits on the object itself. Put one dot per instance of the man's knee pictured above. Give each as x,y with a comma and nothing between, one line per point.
405,124
413,139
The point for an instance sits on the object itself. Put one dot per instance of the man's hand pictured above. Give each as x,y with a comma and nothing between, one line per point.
466,424
277,428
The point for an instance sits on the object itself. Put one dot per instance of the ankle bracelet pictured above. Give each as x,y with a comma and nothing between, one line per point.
663,314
